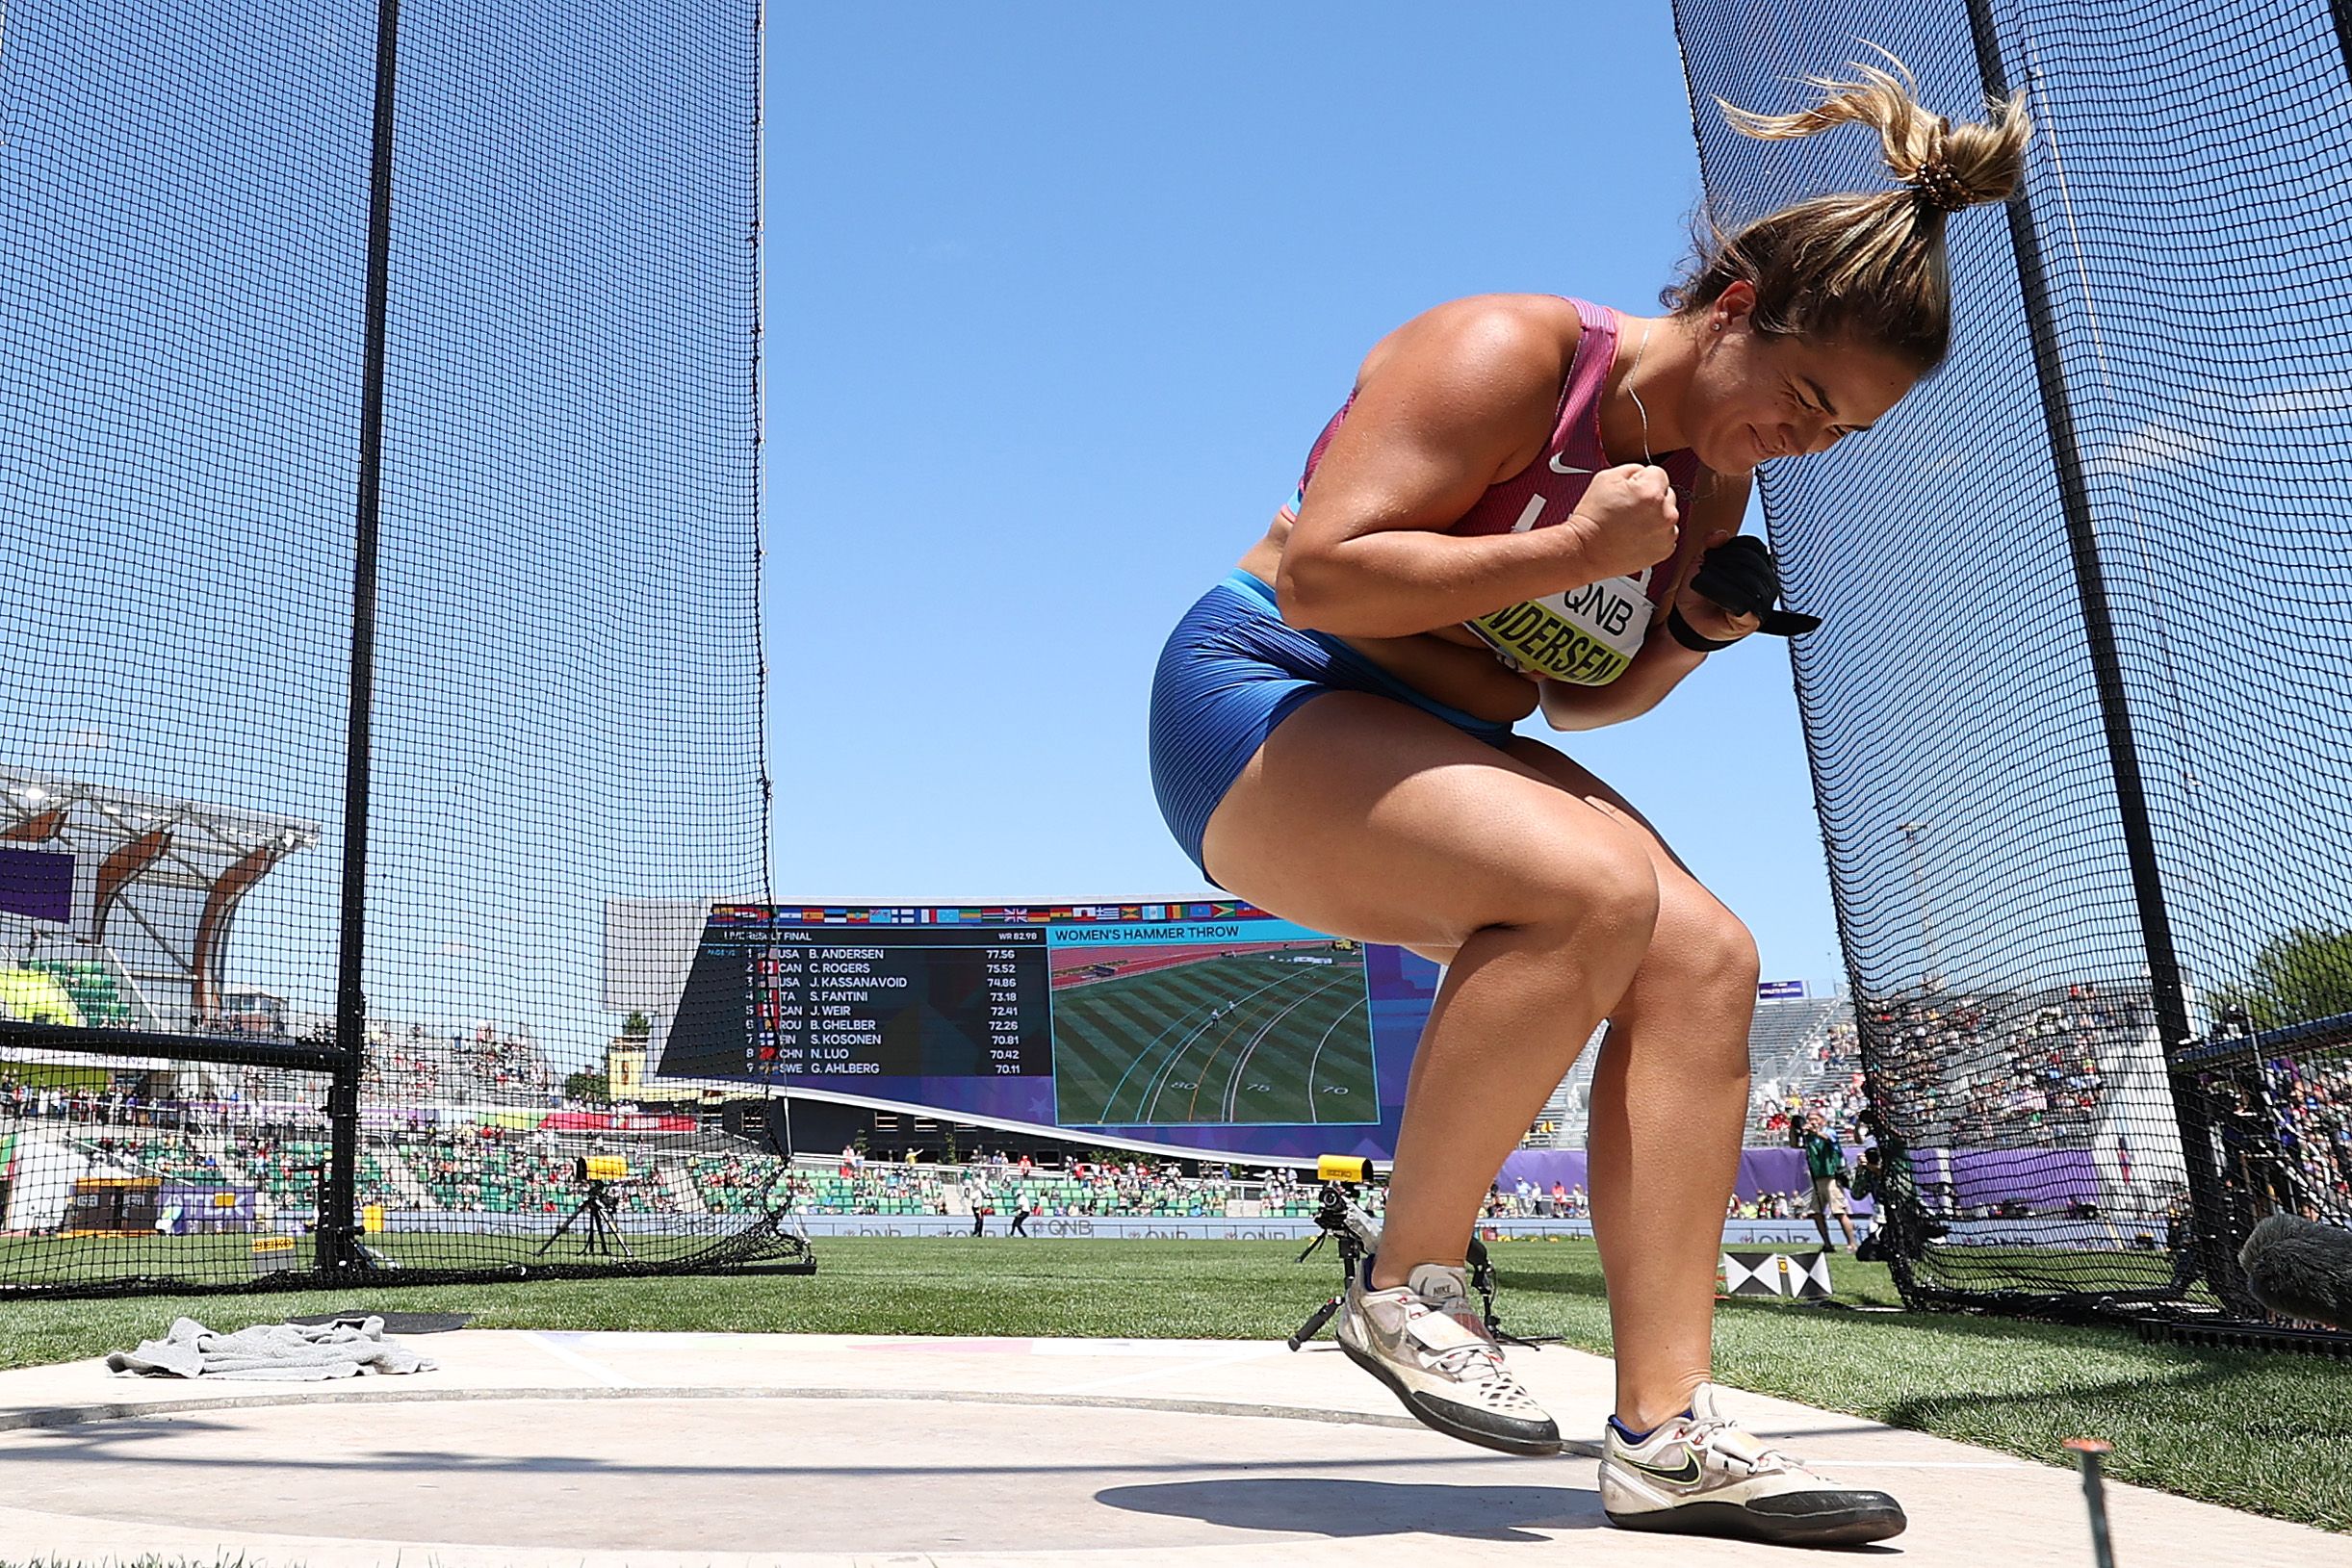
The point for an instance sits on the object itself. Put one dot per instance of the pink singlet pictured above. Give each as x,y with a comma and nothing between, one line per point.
1584,636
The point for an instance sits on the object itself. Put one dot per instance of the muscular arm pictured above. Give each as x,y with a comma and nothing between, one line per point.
1718,505
1453,402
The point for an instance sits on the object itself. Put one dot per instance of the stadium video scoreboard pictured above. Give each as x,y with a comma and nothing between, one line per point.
895,1001
1080,1016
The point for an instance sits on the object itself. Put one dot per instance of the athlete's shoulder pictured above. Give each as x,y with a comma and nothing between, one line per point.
1516,331
1496,361
1544,314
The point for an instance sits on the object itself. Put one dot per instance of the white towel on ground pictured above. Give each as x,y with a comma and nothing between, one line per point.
279,1352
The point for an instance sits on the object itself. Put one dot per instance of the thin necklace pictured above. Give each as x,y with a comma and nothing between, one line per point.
1637,396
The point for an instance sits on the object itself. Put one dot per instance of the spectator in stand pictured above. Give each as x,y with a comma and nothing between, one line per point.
1825,1163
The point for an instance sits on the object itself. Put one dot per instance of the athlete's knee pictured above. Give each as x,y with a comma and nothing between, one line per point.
1595,884
1719,970
1703,951
1698,984
1727,952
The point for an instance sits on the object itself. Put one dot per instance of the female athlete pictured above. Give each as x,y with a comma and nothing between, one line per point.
1530,502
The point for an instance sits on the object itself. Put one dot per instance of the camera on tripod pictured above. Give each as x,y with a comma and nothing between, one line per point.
1340,1218
1337,1214
598,1213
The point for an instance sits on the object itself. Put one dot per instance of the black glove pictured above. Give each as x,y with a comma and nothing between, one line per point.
1741,574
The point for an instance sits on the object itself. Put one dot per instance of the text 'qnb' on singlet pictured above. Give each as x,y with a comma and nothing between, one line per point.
1584,636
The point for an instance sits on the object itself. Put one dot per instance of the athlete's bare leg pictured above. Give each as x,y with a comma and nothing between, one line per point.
1367,819
1671,1095
1669,1105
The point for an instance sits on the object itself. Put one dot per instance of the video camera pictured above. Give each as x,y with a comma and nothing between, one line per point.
1338,1216
600,1168
1337,1210
598,1211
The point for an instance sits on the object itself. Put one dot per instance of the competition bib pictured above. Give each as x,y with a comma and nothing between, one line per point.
1584,636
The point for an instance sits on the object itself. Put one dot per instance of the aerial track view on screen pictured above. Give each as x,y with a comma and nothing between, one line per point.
1242,1032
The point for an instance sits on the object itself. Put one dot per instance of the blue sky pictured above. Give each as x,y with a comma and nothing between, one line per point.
1056,297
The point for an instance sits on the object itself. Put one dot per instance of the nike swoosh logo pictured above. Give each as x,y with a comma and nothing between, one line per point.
1686,1475
1558,466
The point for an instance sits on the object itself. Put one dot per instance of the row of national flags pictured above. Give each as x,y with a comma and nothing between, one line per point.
985,915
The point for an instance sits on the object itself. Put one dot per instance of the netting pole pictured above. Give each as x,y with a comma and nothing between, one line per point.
2170,996
339,1250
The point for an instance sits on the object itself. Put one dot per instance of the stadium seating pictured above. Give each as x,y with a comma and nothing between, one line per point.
2024,1068
741,1183
486,1169
1785,1053
414,1064
92,986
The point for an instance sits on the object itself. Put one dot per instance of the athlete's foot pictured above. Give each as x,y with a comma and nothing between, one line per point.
1700,1475
1424,1340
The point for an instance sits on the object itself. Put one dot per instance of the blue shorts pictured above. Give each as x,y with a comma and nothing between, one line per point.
1231,674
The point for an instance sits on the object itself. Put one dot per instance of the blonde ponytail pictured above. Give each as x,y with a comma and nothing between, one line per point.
1865,267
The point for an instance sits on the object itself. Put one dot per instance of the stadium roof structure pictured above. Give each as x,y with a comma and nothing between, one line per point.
155,884
2226,1047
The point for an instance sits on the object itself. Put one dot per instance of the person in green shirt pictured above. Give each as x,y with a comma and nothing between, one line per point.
1826,1160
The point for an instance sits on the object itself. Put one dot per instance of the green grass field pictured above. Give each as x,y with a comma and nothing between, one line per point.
1254,1038
2266,1432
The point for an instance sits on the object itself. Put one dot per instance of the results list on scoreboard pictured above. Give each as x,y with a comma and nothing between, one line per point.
898,1001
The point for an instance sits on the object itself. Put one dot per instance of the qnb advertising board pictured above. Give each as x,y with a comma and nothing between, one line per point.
1199,1026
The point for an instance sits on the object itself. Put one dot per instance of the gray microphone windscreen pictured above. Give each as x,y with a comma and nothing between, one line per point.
2301,1269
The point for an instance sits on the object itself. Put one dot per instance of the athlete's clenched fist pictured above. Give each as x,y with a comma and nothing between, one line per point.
1627,520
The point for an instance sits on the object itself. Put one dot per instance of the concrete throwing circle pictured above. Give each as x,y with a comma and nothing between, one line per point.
776,1472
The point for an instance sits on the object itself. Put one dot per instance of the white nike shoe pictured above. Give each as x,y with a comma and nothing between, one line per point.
1700,1475
1424,1340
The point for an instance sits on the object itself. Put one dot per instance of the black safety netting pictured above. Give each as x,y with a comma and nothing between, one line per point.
2277,1110
540,526
2077,718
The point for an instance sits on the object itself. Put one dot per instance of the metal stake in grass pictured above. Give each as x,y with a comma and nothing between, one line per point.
2086,1451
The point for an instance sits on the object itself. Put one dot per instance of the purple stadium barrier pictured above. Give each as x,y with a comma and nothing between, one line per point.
1762,1171
2048,1178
